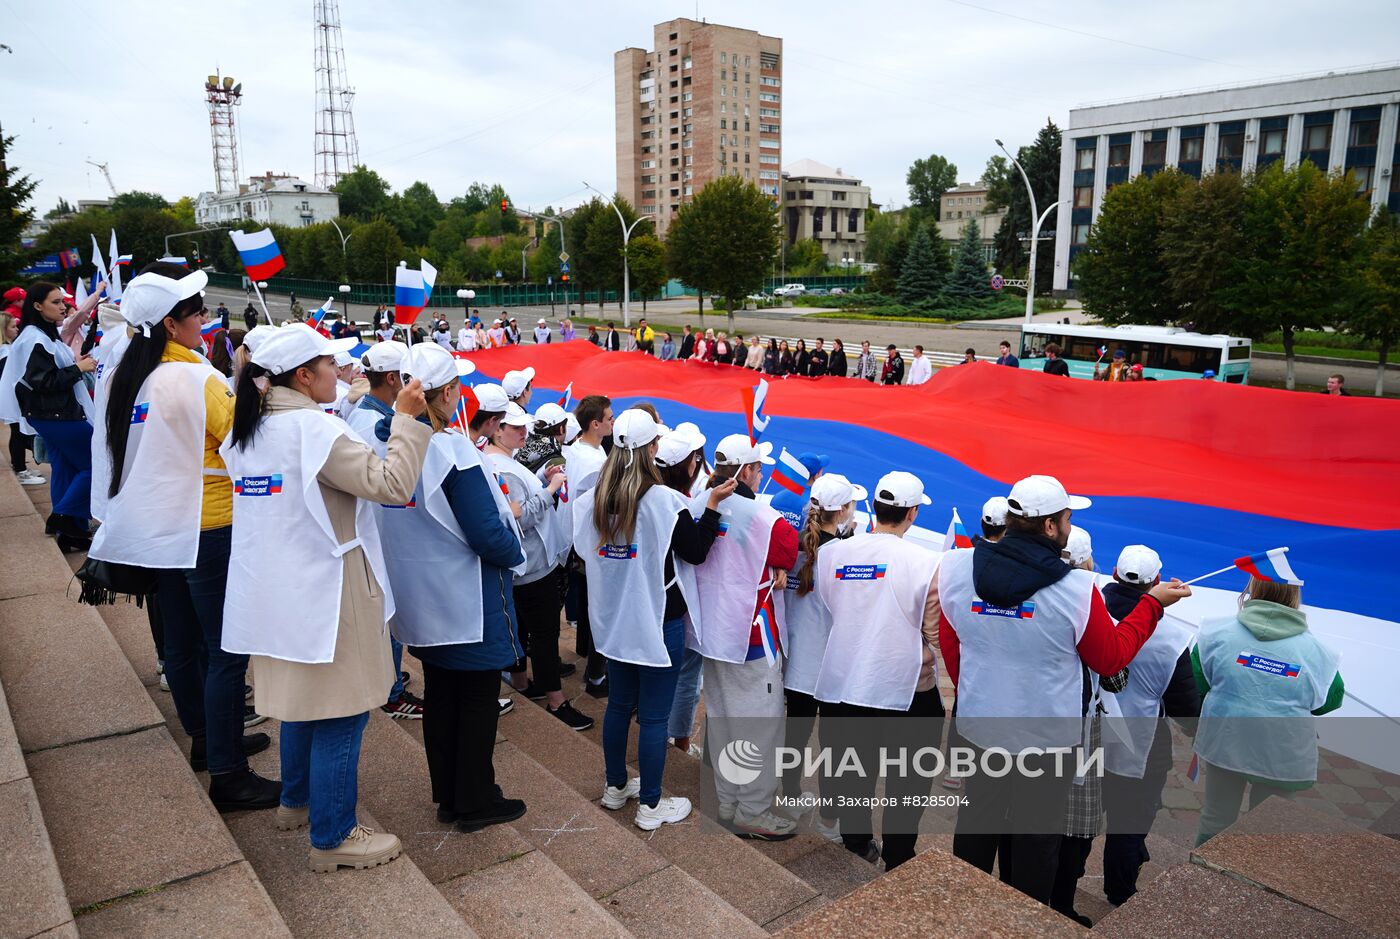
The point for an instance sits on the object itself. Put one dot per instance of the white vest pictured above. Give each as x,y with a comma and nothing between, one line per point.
1257,717
435,573
1018,667
627,616
1128,736
153,521
363,422
286,567
18,360
733,578
582,464
108,357
804,624
876,586
555,528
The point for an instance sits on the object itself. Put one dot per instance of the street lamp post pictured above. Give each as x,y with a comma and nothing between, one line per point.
345,300
467,296
626,273
344,260
1037,219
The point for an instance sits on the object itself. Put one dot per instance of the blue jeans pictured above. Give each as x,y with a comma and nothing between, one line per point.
396,648
205,681
651,691
682,722
321,769
70,458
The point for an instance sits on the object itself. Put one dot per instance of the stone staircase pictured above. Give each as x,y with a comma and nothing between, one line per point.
112,834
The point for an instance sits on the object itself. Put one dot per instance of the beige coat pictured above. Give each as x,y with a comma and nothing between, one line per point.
360,675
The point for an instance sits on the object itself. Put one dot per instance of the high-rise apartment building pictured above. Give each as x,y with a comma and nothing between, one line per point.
705,103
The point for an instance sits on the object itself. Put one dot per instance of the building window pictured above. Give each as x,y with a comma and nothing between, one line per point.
746,61
1364,133
746,158
1191,149
770,98
648,193
649,179
1083,197
746,172
1154,152
686,62
1365,179
1272,142
767,112
722,109
746,78
687,142
817,216
1317,137
722,91
1084,158
723,59
804,194
768,128
838,197
686,96
648,164
1079,234
1118,154
723,124
767,158
1231,146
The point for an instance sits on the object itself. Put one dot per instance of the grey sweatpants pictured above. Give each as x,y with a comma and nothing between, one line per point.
744,707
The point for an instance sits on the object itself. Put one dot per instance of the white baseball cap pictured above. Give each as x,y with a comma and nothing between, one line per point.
386,356
737,450
1039,496
833,492
1080,546
343,359
464,366
515,383
257,335
900,489
571,429
692,433
634,428
150,297
543,321
515,416
431,364
490,397
495,322
294,345
994,510
1138,564
675,448
550,414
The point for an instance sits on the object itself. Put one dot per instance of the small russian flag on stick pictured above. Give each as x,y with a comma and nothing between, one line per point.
957,536
412,290
1270,565
790,473
259,252
567,398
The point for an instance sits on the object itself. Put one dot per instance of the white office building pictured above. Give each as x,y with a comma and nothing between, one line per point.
1342,121
269,199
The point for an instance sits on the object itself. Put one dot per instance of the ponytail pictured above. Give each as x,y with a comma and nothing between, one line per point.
810,541
141,358
249,406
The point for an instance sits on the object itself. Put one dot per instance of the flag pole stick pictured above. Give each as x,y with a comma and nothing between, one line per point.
1196,580
266,312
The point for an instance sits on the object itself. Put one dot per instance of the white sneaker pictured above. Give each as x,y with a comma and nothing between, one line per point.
832,834
726,813
765,826
668,811
164,684
506,705
30,478
615,797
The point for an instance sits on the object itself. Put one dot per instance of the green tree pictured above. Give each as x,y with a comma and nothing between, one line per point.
646,259
928,179
602,243
15,213
881,230
415,212
1375,313
374,252
1120,275
586,267
364,194
60,210
1301,234
805,258
139,200
925,269
970,279
1041,161
725,240
183,210
998,177
1201,236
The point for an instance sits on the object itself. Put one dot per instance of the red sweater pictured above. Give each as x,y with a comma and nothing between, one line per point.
782,555
1104,647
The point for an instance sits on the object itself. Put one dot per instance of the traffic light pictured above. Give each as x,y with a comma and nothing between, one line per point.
505,207
564,278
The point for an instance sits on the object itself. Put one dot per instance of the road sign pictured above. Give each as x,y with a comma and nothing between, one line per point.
563,257
998,282
498,275
564,268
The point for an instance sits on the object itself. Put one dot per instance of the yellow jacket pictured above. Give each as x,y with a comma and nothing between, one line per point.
217,508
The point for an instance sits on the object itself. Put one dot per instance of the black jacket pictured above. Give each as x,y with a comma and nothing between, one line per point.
816,365
836,365
1056,367
49,395
801,362
1010,571
687,346
612,341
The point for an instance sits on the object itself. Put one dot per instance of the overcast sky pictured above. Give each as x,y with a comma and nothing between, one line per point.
522,93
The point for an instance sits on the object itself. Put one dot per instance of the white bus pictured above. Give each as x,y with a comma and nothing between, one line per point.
1164,352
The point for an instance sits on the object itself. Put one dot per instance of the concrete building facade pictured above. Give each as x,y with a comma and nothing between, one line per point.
269,199
967,202
705,102
826,205
1342,121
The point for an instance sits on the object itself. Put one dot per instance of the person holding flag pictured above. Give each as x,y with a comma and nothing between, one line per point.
796,475
879,667
739,638
639,544
1263,678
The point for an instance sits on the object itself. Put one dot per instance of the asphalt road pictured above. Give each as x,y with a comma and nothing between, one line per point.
805,323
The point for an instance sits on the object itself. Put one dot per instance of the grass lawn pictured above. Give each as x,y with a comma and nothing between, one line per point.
1360,355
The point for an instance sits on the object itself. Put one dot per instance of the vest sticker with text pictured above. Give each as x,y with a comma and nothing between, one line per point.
861,572
1265,664
258,485
618,552
141,412
1025,610
411,503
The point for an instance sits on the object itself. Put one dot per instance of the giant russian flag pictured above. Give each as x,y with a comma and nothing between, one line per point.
261,256
412,290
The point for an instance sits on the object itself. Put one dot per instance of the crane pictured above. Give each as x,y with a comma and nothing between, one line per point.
103,168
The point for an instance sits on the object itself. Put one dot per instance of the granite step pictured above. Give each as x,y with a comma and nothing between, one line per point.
625,875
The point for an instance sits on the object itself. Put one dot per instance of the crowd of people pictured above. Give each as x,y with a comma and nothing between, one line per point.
302,515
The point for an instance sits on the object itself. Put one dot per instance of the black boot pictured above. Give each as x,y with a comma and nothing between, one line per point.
199,760
73,534
51,524
243,789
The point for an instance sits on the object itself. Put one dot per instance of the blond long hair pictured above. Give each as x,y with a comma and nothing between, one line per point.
625,477
811,540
